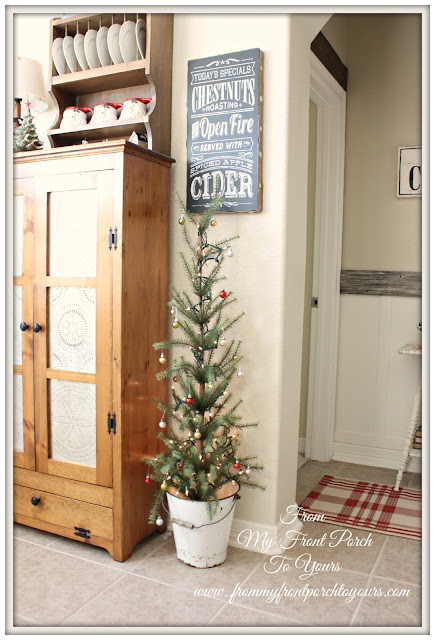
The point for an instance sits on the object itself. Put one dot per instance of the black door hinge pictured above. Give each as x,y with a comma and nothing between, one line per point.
82,533
111,422
113,238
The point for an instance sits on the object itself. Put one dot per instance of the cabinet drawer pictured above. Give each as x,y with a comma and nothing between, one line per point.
64,512
81,491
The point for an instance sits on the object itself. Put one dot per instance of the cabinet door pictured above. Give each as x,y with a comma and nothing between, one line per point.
73,306
23,408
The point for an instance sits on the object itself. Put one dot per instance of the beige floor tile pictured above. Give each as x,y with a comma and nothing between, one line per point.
97,554
321,610
138,602
23,550
400,560
313,471
49,586
21,621
414,481
163,565
380,611
337,546
233,616
379,475
35,536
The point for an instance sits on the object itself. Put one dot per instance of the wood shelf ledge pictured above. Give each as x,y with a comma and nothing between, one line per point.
120,128
128,74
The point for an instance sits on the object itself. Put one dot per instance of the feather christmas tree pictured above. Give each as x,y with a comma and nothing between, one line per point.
201,426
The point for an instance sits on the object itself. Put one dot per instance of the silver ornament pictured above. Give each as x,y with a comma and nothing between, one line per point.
223,342
159,521
240,373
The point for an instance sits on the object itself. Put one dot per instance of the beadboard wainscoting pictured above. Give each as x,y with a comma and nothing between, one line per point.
375,384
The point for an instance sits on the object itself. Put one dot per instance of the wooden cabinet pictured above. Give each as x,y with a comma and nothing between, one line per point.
90,291
149,77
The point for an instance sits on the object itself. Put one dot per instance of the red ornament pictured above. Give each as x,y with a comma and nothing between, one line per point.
189,399
147,480
237,465
223,293
175,378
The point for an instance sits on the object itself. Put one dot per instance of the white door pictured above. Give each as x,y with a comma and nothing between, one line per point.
330,100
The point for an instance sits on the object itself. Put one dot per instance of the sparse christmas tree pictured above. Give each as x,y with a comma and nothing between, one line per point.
25,136
201,426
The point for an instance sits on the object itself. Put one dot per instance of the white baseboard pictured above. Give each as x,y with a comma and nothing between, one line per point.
262,538
301,445
373,457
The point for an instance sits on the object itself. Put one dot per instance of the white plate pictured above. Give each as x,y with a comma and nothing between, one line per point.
141,36
58,57
102,50
113,44
127,41
91,49
79,50
68,52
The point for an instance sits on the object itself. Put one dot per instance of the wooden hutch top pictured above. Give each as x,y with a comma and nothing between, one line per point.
149,77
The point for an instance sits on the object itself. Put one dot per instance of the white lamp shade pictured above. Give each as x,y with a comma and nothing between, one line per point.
29,84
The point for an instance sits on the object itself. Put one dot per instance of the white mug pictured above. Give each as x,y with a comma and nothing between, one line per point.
75,117
105,112
134,108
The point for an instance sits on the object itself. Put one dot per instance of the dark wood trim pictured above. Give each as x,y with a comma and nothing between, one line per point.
324,51
381,283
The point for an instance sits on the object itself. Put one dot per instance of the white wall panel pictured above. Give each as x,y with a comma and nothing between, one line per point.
375,385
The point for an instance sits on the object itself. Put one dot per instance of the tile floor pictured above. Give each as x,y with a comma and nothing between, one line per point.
60,582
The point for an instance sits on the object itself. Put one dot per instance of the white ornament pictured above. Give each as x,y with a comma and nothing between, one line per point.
162,424
223,342
240,373
172,311
230,252
159,521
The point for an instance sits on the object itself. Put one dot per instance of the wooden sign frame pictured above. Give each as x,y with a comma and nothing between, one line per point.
224,132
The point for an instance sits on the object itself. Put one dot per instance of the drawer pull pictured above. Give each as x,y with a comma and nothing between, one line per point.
35,501
82,533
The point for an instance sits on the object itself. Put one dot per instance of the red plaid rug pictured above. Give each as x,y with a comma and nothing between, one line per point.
366,505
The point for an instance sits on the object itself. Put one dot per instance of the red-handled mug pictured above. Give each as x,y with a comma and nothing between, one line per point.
105,112
134,108
75,117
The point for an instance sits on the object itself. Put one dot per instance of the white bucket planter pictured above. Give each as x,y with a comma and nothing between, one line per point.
201,542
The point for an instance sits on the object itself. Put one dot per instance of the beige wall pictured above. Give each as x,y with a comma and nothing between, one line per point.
383,54
27,45
255,271
336,31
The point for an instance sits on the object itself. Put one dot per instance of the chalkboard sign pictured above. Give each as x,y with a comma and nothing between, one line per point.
224,126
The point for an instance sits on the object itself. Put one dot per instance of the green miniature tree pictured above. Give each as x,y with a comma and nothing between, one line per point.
25,136
203,437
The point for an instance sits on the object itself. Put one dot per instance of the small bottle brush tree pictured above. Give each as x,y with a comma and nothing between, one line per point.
202,444
25,136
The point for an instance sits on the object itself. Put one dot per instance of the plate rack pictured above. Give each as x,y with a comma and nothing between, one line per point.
145,78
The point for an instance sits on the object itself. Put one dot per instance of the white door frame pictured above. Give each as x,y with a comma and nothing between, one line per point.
330,99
